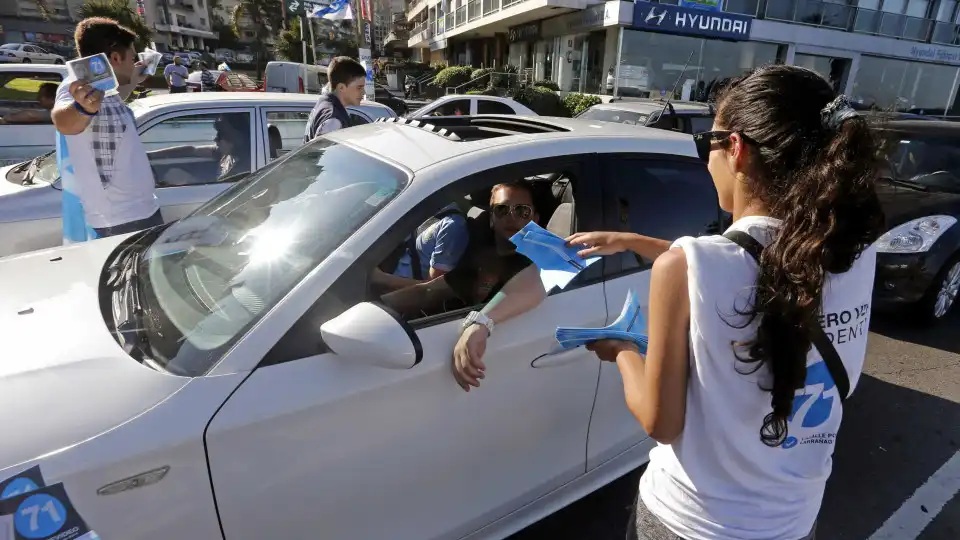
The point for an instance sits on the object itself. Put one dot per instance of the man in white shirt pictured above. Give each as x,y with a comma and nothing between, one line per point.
176,76
103,162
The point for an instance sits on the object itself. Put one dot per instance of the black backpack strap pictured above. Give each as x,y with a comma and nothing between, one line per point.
817,336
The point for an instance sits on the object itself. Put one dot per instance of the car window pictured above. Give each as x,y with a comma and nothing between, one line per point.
610,115
357,120
657,198
199,148
488,106
285,131
454,107
931,162
210,276
699,124
27,98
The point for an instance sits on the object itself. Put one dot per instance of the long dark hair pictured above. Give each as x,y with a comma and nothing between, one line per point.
815,172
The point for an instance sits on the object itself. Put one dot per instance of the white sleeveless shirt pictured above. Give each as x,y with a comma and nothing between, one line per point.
718,480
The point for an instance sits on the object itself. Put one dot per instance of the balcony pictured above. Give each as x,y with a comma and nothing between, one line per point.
182,5
860,20
185,29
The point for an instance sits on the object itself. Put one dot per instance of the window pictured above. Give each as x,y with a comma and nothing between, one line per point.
699,124
931,163
488,106
658,198
612,115
901,85
203,22
455,107
200,148
210,276
285,131
357,120
27,98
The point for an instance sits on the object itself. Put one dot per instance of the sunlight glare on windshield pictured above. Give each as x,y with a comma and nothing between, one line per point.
269,244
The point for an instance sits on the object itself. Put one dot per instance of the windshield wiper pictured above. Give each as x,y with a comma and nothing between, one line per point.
32,167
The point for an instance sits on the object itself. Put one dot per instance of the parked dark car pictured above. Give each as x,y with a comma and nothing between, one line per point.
918,259
388,98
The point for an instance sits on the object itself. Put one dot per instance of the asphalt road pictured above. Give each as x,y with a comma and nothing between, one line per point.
901,425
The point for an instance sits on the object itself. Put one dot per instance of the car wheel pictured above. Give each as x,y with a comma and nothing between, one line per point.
27,61
941,298
58,61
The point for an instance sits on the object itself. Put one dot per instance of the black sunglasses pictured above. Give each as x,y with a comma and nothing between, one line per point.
705,139
519,211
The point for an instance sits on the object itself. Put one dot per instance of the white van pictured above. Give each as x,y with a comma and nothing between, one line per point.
291,77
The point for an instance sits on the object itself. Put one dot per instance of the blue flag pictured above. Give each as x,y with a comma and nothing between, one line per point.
75,228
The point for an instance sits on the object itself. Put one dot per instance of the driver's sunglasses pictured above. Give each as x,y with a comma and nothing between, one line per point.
705,139
519,211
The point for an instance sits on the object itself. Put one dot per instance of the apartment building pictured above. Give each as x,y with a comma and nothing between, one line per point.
892,53
179,24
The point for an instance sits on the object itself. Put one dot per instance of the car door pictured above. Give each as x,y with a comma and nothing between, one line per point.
188,166
320,445
662,197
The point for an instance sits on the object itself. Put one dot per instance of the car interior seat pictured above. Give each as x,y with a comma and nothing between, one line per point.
275,140
561,222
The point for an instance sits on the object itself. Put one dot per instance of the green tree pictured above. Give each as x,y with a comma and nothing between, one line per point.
266,17
120,11
289,46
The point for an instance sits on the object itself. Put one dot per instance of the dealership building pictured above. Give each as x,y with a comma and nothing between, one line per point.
891,53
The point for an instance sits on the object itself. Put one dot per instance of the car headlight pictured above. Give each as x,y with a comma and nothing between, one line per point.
916,236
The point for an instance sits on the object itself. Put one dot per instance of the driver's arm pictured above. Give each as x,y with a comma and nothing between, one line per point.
428,296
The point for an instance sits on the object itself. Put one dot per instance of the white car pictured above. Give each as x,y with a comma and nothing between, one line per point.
30,196
19,84
27,53
232,376
462,105
685,116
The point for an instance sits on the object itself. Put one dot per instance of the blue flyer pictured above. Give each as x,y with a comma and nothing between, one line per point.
44,514
558,262
629,326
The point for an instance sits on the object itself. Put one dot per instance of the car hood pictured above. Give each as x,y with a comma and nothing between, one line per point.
902,204
60,368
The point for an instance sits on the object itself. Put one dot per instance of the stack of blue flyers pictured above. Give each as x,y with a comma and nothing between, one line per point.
558,262
627,327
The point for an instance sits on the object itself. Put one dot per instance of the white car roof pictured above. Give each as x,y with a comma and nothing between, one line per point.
35,68
200,99
649,106
409,144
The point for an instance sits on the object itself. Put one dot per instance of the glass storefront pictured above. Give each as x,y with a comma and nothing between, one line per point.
903,85
651,63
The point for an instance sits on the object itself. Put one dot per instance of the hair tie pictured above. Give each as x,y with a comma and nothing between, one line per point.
836,113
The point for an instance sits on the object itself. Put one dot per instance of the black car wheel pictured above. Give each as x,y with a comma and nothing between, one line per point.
27,61
58,61
941,298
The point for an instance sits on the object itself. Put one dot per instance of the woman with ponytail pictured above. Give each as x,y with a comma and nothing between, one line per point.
756,336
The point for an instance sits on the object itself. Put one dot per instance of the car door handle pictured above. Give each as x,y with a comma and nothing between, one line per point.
556,359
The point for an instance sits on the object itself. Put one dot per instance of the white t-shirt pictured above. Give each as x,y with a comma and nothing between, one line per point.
718,480
110,169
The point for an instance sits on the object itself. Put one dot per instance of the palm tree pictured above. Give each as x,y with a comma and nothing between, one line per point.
120,11
266,16
44,9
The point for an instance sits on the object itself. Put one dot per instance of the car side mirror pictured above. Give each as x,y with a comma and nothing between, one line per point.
373,333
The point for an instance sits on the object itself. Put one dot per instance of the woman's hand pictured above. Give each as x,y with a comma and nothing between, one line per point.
468,366
599,243
608,349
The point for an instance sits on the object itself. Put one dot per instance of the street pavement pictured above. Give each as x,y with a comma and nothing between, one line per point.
900,427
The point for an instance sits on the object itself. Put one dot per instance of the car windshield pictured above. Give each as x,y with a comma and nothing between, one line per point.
10,47
206,278
929,163
611,115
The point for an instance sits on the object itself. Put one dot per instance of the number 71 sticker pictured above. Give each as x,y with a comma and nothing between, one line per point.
45,513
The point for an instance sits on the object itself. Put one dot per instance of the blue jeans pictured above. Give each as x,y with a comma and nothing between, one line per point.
131,226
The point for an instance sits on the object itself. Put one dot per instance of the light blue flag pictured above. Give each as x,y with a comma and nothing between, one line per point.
629,326
75,228
558,262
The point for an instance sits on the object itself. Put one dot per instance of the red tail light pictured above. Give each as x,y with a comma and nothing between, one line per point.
300,84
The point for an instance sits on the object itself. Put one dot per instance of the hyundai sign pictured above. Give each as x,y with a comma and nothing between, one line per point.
690,21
